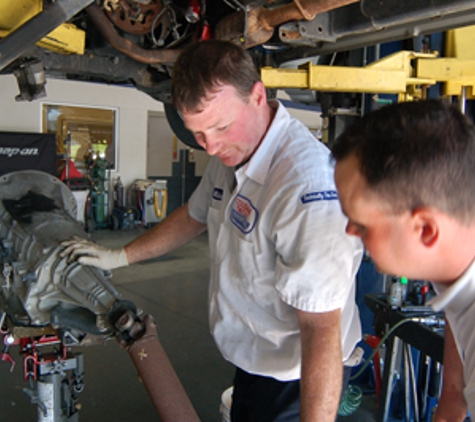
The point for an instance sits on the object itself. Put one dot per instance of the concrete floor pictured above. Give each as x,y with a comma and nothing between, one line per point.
174,290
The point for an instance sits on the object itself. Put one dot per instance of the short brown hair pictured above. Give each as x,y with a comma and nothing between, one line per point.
204,66
416,154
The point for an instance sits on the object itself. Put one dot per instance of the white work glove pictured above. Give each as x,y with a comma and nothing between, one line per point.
90,253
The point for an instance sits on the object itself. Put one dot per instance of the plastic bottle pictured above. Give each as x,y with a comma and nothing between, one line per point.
396,292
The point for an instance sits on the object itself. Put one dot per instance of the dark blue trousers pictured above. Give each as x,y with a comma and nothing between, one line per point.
265,399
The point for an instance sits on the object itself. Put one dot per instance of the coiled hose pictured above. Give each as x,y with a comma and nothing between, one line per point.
353,394
350,401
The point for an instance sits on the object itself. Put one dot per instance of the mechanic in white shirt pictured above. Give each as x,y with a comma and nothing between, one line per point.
282,291
405,177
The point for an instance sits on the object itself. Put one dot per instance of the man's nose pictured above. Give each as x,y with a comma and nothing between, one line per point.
212,145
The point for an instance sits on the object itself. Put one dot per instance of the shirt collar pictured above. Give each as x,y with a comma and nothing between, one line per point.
259,164
458,296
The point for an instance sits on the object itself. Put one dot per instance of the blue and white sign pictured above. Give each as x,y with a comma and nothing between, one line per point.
324,195
244,214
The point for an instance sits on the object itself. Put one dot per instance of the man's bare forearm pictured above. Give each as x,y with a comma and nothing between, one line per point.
322,368
176,230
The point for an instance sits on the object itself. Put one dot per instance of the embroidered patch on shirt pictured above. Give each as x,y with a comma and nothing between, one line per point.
244,214
324,195
218,194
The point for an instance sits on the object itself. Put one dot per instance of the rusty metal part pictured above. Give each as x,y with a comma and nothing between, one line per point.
159,378
127,47
137,19
305,14
24,332
289,12
258,26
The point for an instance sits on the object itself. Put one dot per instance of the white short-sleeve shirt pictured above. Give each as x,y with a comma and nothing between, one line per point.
277,243
458,302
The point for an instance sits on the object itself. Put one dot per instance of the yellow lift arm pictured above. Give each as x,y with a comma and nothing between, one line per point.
66,38
405,73
390,75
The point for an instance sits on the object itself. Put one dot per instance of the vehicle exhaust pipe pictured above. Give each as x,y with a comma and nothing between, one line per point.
259,26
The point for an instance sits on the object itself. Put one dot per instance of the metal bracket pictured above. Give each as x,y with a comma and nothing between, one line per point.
33,30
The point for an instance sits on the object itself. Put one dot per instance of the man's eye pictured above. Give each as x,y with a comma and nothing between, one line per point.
223,128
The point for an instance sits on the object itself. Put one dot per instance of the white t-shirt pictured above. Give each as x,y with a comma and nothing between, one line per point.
458,302
277,242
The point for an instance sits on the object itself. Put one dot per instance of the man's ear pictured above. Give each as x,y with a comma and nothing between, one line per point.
426,226
258,93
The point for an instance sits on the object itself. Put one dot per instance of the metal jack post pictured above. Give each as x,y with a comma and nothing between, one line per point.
55,378
56,393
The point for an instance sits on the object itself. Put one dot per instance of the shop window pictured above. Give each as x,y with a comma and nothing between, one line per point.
82,133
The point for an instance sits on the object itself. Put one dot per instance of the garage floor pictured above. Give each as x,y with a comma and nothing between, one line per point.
174,290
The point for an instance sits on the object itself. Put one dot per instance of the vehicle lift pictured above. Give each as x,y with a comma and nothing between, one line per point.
405,73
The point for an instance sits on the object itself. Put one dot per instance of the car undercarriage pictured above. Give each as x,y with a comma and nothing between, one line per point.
135,42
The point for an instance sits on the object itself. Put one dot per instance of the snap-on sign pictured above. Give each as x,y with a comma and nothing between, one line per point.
243,214
27,151
12,152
